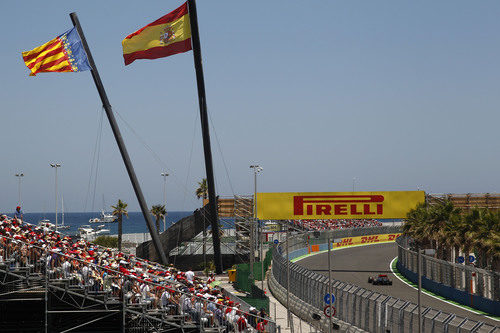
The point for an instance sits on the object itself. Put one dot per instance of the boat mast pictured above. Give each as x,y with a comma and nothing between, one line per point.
62,209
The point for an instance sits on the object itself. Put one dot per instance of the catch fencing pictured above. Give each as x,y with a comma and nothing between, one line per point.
465,284
365,309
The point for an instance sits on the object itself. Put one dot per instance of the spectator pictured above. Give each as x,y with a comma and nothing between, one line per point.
18,214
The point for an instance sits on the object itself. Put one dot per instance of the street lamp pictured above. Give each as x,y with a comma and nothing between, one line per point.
55,166
256,169
19,176
353,181
165,175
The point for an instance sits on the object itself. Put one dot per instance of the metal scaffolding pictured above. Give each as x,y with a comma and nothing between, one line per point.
243,217
73,305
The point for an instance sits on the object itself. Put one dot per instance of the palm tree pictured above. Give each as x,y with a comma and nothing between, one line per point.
202,190
443,218
119,210
158,212
415,222
483,234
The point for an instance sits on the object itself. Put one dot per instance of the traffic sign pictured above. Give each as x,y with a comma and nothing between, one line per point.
471,259
329,311
327,298
276,241
461,260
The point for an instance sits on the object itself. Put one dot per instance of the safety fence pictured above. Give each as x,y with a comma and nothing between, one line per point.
362,308
243,280
465,284
244,283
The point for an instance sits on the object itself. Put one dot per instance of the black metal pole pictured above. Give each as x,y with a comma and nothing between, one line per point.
119,141
212,201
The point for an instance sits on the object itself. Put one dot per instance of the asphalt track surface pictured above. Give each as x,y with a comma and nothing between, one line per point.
354,265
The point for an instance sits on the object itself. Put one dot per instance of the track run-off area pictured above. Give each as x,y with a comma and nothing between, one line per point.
355,264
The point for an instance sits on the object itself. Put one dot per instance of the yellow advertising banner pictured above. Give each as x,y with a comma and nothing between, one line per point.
337,205
359,240
350,241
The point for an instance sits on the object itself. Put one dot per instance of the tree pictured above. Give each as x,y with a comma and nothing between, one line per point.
158,212
483,235
444,227
415,222
119,210
202,190
442,220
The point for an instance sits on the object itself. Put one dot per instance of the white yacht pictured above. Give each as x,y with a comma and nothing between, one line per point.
103,218
47,224
89,233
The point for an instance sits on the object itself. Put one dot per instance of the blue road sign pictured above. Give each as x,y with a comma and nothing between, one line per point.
460,260
327,298
276,241
471,259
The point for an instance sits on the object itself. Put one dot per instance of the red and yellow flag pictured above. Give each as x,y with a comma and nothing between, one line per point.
62,54
170,34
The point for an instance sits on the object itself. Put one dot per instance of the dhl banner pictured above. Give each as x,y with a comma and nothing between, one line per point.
352,241
349,241
337,205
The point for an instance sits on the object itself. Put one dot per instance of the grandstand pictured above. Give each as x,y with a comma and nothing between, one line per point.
50,280
469,200
334,224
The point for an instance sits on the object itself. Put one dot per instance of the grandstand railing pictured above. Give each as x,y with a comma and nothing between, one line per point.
109,287
365,309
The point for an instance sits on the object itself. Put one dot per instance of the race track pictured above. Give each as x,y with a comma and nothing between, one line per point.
356,264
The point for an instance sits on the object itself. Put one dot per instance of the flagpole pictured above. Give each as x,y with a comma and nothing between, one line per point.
212,201
119,141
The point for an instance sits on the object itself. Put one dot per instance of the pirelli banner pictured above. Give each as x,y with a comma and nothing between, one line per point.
337,205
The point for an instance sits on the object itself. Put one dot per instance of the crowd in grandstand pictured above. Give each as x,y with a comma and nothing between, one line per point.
320,225
134,280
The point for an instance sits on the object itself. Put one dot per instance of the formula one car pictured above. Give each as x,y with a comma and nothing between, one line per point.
381,279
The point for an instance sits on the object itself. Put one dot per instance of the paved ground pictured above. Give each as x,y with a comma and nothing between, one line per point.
355,265
277,311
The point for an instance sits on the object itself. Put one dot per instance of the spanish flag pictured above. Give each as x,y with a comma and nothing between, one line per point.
64,53
170,34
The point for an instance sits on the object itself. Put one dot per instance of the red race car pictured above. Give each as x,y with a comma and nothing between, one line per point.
381,279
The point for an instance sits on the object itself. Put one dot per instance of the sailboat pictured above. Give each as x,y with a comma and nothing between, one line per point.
104,217
62,226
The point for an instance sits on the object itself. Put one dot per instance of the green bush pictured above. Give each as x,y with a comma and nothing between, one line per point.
107,241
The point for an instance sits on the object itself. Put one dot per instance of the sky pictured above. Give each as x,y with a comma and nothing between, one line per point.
324,95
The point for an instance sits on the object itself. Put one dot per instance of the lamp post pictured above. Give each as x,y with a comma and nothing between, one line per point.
353,181
165,175
19,176
55,166
330,284
287,278
256,169
419,284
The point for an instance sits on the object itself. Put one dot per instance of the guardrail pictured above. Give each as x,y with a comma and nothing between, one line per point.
362,308
465,284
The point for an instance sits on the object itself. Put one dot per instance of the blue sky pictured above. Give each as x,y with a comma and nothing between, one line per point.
396,94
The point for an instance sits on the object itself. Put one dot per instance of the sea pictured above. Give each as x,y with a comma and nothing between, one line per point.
134,223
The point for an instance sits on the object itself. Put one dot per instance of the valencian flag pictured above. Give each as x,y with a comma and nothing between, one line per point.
170,34
64,53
